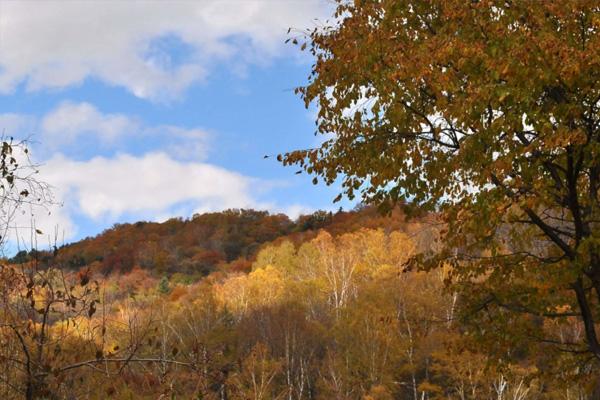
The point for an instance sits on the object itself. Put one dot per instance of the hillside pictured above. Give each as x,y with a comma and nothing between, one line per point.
244,304
225,241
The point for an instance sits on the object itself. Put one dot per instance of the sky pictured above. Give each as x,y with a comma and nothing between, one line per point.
150,110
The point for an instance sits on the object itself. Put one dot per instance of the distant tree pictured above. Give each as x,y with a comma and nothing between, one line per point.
163,285
313,221
21,257
488,111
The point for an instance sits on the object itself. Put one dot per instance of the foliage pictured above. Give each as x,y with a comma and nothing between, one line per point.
336,316
488,111
163,285
225,241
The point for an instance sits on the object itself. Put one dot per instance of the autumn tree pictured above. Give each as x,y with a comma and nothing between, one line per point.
45,316
40,308
488,111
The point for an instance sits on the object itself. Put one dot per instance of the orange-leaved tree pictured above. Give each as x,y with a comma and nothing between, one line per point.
487,111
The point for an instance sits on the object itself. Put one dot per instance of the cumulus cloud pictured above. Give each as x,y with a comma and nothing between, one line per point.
153,49
69,123
11,123
150,183
71,120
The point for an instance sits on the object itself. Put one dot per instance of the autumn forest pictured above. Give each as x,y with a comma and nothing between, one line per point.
247,305
465,135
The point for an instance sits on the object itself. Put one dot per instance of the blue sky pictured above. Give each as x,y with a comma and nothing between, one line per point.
149,110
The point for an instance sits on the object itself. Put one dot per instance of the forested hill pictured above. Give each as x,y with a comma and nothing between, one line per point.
227,241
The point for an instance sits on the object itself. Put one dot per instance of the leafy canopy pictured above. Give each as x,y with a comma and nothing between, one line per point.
488,111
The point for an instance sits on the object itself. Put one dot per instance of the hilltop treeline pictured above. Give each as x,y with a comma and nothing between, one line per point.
204,243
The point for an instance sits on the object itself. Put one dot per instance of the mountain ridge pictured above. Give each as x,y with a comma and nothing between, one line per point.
205,243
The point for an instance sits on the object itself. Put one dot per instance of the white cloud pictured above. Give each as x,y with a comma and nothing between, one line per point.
11,123
71,120
53,221
296,210
185,143
56,44
152,184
